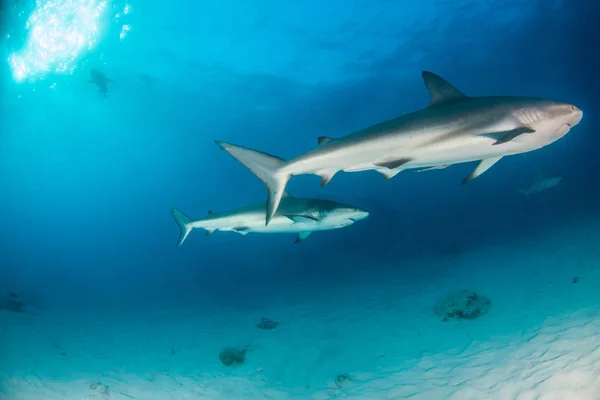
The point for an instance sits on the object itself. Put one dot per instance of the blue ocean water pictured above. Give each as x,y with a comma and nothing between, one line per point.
88,183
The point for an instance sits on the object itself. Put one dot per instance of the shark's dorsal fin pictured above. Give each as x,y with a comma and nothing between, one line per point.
323,139
441,91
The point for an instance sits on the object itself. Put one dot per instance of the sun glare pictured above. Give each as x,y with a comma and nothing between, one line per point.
59,31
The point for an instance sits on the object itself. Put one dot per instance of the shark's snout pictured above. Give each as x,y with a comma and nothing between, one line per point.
576,116
360,215
564,116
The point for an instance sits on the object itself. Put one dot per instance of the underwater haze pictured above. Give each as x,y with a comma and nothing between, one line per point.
108,115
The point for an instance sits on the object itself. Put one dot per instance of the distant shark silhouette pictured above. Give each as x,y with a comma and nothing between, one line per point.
147,80
539,185
99,79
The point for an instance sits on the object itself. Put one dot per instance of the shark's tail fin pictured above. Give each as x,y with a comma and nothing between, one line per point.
185,225
267,168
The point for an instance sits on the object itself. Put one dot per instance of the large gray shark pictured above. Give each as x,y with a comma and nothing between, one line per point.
453,129
294,215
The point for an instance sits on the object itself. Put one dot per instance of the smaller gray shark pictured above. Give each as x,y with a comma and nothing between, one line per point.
540,185
99,79
294,215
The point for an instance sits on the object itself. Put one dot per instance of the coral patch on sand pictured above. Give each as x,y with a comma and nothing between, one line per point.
463,305
232,355
11,302
267,324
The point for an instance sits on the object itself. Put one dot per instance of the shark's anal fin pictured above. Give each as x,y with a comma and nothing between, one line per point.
441,91
208,232
392,164
507,136
302,236
323,139
302,218
483,166
388,173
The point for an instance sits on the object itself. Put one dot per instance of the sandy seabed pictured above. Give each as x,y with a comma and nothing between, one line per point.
372,337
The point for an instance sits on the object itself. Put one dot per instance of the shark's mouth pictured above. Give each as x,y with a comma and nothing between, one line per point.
345,222
563,129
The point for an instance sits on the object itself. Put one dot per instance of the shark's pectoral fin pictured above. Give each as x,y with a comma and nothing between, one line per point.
298,219
242,230
433,168
323,139
483,166
389,173
302,236
441,91
507,136
392,163
326,176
